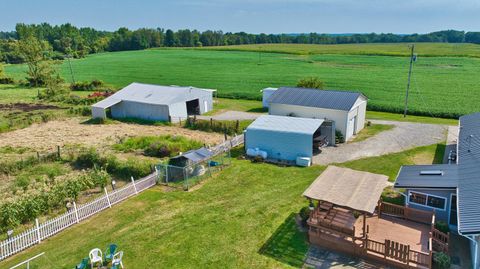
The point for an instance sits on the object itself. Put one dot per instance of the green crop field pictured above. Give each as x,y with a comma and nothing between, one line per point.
383,49
441,86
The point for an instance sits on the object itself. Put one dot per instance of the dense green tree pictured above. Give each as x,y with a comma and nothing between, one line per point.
169,38
310,82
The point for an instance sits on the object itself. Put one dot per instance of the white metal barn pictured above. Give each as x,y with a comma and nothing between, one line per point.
346,109
155,102
283,138
266,93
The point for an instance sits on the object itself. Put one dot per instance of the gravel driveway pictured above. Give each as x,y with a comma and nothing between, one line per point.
405,135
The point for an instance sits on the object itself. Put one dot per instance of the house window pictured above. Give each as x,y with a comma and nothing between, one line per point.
427,200
436,202
418,198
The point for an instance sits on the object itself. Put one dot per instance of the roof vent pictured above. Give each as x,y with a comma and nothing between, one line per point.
431,173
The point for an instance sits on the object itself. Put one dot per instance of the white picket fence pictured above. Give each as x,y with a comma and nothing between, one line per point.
51,227
237,140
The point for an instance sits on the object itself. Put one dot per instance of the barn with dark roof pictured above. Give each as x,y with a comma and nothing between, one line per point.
346,109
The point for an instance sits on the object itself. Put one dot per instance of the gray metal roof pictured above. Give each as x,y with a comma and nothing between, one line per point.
196,155
153,94
330,99
466,174
469,172
418,176
285,124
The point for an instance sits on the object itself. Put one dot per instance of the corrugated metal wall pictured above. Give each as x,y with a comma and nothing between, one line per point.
127,109
280,145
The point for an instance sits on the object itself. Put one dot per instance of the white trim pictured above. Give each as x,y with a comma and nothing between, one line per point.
426,201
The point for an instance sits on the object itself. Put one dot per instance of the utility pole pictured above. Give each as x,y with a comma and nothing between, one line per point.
412,56
71,70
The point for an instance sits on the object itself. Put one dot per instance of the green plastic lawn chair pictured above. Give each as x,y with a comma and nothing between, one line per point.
110,251
83,264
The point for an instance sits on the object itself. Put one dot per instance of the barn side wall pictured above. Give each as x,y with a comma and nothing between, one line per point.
280,145
338,116
128,109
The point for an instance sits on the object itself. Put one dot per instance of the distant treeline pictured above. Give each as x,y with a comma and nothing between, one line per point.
67,39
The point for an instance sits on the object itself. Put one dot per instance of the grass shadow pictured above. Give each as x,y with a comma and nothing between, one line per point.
439,153
258,110
287,244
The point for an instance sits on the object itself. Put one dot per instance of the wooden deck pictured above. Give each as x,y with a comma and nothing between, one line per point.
414,234
396,236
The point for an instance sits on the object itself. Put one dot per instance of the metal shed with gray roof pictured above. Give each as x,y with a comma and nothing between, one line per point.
347,109
155,102
283,138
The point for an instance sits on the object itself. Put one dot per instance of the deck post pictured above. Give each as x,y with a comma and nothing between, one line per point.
379,208
364,224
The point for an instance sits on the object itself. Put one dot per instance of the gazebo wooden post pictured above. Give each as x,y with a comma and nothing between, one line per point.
364,224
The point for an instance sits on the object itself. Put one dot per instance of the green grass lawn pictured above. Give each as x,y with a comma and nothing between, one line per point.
370,131
440,85
224,224
387,49
240,218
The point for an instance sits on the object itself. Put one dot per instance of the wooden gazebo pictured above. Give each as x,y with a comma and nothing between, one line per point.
348,216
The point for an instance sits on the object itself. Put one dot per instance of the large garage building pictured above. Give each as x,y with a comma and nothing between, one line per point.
155,102
283,138
346,109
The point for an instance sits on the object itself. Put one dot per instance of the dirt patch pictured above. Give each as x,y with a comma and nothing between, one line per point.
47,136
25,107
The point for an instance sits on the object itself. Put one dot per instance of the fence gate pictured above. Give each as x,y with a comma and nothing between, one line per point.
397,251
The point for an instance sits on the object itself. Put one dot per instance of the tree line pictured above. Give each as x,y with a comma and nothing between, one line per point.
67,40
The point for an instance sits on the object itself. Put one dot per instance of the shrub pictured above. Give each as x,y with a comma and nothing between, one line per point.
339,138
87,86
442,226
224,127
441,260
304,213
311,82
6,80
82,110
89,159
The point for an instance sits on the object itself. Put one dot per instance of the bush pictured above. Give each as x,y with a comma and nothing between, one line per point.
339,138
224,127
441,260
158,146
83,110
87,86
6,80
311,82
304,213
442,226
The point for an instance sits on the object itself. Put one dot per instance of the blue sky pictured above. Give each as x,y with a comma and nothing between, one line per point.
254,16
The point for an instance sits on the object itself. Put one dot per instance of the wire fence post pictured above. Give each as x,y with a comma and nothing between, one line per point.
38,231
108,198
76,211
134,186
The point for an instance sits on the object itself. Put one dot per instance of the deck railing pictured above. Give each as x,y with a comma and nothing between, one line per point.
405,212
53,226
439,239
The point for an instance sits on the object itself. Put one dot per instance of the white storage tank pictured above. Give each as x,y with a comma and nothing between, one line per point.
266,94
304,161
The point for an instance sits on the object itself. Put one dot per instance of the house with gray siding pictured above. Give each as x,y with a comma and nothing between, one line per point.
155,102
346,109
452,190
